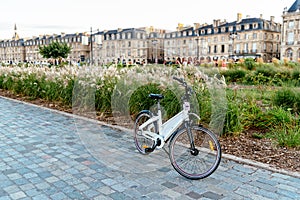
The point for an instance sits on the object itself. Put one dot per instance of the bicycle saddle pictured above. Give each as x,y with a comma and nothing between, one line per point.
156,96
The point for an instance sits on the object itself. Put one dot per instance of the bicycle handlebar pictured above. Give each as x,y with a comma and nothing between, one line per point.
188,89
180,80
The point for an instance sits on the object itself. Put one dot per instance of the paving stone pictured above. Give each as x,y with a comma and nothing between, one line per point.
18,195
50,155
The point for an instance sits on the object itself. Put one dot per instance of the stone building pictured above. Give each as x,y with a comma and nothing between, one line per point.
245,37
131,45
290,45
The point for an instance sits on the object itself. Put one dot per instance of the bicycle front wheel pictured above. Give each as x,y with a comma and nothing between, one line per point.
195,154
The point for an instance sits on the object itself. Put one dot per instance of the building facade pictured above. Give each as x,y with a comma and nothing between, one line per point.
245,37
290,45
249,37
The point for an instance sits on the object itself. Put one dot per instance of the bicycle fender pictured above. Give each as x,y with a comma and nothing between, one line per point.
173,134
145,111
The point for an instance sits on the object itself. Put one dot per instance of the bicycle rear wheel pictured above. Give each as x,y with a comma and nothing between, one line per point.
199,161
141,142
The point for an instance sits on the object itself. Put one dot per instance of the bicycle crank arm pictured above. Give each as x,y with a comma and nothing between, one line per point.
158,139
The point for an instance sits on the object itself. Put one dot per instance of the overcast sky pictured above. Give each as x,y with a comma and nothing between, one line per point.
35,17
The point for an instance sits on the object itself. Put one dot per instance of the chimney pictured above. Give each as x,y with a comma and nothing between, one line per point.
272,18
216,22
239,17
179,27
196,25
261,16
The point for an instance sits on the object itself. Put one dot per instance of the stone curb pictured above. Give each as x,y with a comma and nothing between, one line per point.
116,127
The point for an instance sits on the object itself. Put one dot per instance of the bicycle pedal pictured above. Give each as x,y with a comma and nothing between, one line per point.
149,150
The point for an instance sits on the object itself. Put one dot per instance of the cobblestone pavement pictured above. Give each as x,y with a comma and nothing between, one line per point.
45,154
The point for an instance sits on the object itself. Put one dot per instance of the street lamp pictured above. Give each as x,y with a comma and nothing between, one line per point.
197,49
91,40
232,37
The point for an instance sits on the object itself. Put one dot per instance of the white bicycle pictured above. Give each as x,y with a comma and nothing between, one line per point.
194,151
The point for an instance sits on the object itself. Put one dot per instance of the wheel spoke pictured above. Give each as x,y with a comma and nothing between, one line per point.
195,165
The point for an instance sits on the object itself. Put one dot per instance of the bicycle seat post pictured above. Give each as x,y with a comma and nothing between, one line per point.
158,105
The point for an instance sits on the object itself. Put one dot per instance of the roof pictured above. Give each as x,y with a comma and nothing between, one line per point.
295,6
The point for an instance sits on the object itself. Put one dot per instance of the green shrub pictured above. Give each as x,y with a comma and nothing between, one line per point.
234,75
266,70
140,100
287,99
288,137
249,63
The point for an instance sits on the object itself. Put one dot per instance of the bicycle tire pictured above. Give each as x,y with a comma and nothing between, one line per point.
141,142
195,165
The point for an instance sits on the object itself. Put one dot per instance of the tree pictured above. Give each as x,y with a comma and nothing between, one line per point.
55,50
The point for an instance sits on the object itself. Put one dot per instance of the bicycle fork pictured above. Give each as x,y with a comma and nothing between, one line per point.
193,149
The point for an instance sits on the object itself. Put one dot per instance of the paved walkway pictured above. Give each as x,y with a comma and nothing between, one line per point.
49,155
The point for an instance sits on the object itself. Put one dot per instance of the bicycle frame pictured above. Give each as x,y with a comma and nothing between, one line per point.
165,130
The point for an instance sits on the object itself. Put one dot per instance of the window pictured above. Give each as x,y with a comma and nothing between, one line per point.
215,49
289,53
246,48
290,38
222,48
254,35
291,24
254,46
237,48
